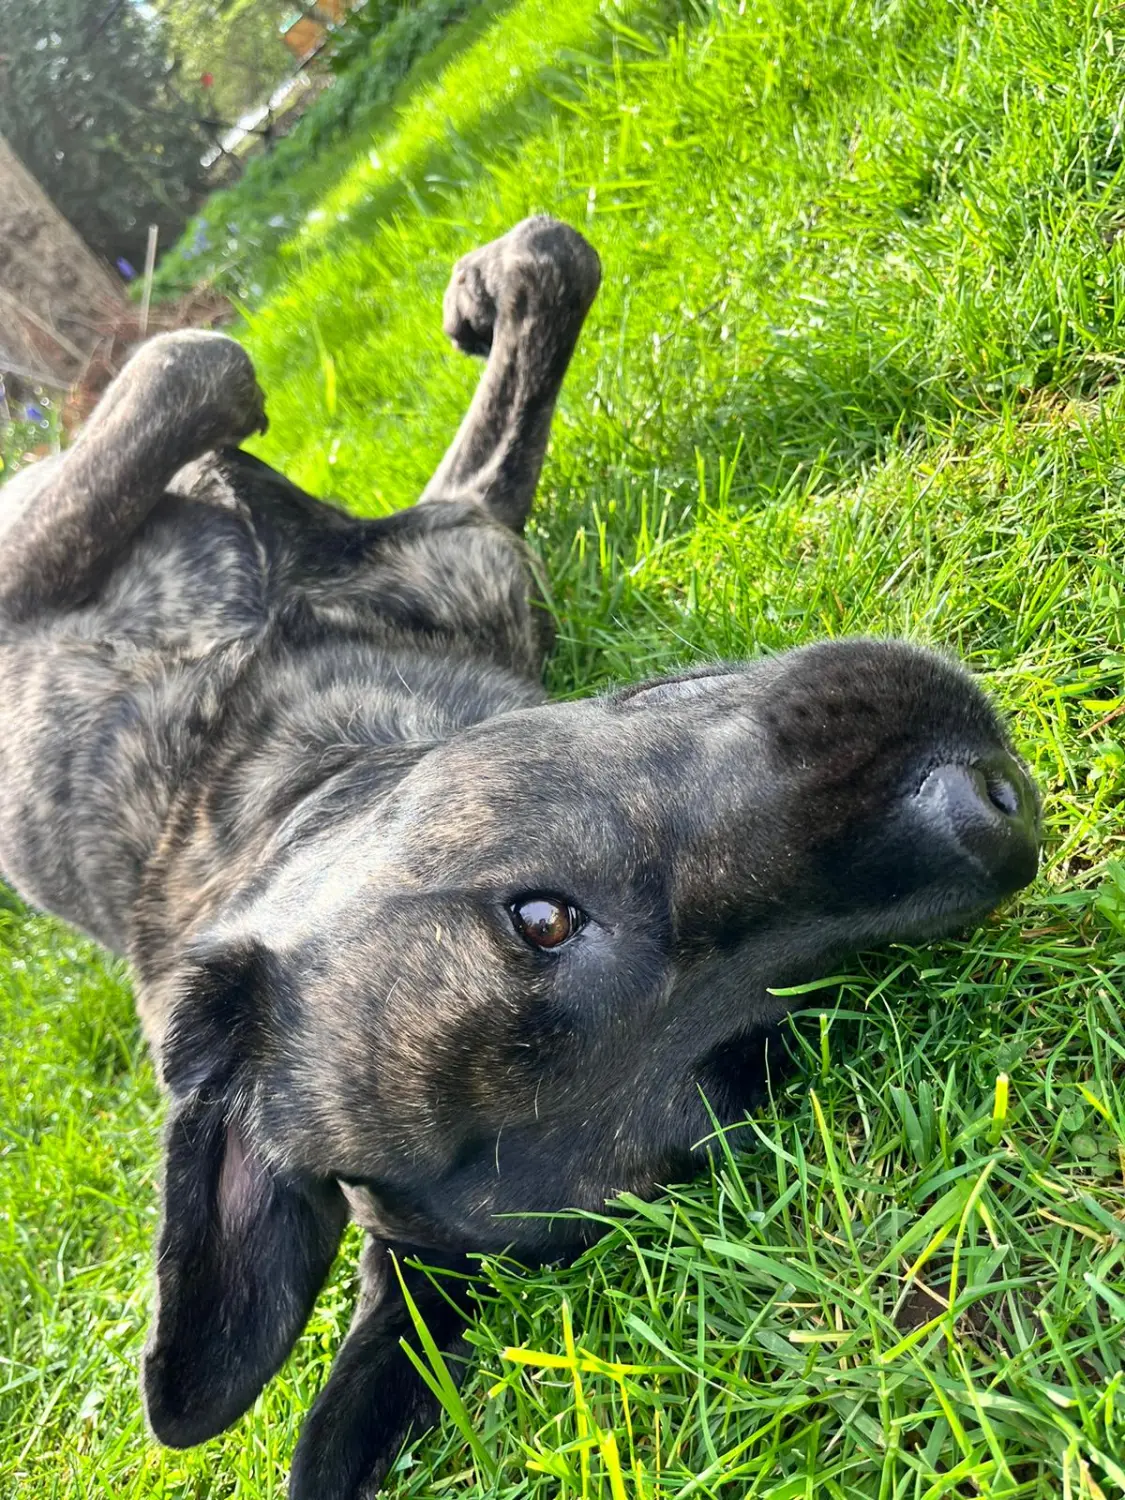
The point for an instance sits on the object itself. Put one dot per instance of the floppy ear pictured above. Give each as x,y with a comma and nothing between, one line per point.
244,1246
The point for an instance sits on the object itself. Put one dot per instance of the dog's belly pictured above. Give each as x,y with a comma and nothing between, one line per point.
94,741
104,708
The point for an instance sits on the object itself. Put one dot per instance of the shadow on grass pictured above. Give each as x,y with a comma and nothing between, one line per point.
303,167
459,35
468,155
436,175
802,409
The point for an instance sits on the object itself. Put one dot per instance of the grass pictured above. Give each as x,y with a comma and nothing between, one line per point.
242,227
854,368
27,431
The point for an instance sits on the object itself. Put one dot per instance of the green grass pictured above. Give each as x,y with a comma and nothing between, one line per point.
23,437
231,243
854,368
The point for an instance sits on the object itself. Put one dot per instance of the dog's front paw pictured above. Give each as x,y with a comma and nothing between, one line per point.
204,377
541,266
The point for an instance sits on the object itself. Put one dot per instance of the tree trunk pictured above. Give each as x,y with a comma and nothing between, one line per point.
56,297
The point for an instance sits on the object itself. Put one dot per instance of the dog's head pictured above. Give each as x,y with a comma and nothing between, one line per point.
503,986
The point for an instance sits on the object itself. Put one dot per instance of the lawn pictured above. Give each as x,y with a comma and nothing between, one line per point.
854,368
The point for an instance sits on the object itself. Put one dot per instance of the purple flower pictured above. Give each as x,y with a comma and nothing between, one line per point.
32,413
126,269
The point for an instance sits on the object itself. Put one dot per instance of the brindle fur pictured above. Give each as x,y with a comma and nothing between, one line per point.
297,766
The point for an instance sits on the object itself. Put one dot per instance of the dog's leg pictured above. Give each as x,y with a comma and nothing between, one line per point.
63,522
521,300
374,1397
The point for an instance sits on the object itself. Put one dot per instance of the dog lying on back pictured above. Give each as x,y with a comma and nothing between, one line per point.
411,945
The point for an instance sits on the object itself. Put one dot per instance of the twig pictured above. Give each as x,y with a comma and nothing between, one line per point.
43,327
150,267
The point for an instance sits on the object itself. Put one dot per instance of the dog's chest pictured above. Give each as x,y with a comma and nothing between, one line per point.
195,578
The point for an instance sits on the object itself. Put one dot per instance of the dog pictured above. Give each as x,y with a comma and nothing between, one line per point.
413,946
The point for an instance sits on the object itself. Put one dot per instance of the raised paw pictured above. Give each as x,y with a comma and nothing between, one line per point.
541,268
192,377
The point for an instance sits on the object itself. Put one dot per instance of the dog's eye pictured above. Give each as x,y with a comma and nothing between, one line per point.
545,922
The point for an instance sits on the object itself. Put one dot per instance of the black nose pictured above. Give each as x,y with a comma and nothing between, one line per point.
991,813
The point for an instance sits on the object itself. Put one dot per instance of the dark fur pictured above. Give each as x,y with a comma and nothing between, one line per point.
298,767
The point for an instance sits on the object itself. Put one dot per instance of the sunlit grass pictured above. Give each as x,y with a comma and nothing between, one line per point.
854,369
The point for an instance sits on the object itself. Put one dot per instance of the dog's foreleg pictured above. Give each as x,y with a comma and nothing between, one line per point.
64,521
522,301
375,1398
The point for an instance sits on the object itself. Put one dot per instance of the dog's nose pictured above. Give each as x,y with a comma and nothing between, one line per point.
989,810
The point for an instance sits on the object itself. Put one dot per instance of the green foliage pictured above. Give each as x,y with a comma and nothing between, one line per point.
351,47
854,368
231,241
26,425
237,42
87,100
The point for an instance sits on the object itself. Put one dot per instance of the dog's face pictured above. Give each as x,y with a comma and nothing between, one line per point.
504,986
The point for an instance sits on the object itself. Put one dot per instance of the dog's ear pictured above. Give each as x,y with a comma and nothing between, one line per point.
244,1246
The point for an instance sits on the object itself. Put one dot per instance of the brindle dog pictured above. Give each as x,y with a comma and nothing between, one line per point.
410,944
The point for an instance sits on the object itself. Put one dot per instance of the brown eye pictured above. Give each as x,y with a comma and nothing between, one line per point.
544,922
